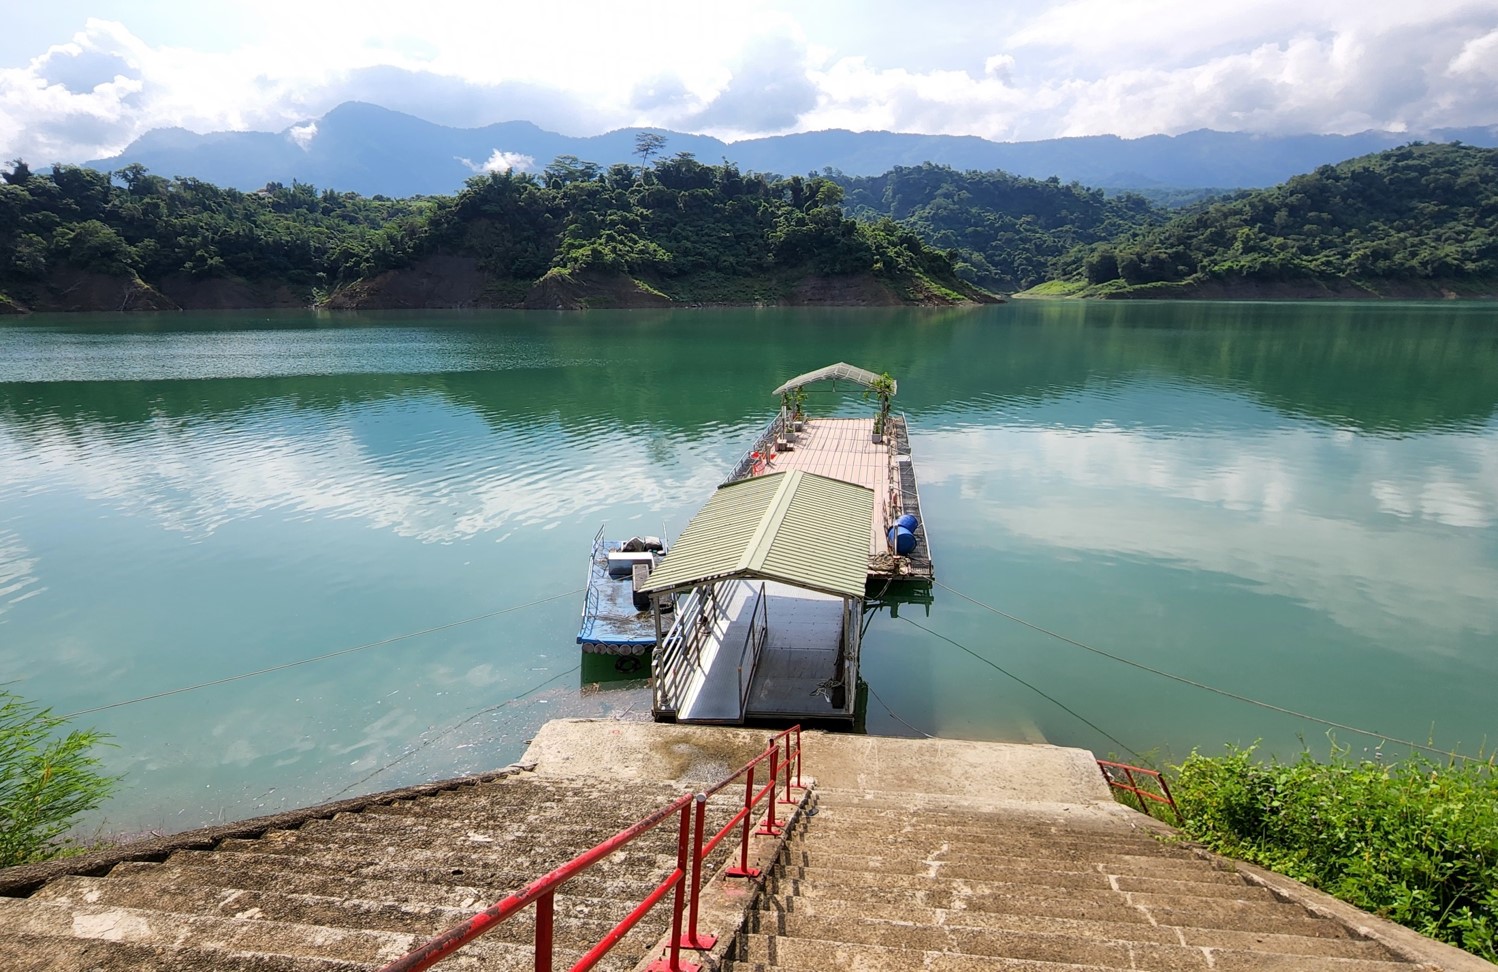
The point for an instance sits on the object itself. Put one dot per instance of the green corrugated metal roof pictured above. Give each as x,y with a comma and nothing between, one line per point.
832,372
794,527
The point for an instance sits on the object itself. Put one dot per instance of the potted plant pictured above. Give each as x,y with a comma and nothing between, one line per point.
882,388
798,399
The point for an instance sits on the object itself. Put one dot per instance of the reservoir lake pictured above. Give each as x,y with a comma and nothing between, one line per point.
1290,503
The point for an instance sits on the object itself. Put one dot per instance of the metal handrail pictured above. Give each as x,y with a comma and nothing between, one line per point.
756,452
690,849
761,608
1129,785
542,891
590,595
695,616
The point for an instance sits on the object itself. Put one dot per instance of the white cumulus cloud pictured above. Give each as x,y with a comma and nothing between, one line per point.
1055,68
501,161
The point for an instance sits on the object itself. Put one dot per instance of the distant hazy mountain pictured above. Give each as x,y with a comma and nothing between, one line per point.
371,150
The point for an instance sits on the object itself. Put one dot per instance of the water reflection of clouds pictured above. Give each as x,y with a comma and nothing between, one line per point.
444,488
18,577
1388,531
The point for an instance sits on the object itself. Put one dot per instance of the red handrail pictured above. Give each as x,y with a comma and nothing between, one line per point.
689,848
1131,786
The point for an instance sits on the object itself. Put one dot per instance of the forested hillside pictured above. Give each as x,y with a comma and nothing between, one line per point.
1006,232
1421,220
579,235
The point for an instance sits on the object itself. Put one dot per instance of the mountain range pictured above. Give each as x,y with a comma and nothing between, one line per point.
371,150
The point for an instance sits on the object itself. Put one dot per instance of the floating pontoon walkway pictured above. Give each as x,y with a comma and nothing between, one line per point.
843,449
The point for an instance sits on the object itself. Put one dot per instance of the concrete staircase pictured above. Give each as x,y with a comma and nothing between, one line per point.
939,855
869,883
354,890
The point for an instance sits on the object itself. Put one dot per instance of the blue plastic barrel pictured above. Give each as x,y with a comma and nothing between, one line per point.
901,540
908,521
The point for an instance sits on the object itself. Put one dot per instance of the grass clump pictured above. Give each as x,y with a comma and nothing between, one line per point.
1411,840
47,778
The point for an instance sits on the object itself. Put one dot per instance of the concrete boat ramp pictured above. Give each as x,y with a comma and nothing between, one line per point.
941,855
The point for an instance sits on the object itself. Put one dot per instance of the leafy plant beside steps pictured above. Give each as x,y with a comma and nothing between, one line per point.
47,779
1410,840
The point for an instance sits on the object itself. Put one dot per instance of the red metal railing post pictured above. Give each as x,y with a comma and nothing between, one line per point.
1129,774
786,765
545,925
798,759
1165,789
768,828
672,962
693,939
744,870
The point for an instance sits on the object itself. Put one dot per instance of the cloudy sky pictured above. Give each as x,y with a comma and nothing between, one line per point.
80,78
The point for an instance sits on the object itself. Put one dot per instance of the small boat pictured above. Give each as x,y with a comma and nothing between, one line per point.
615,620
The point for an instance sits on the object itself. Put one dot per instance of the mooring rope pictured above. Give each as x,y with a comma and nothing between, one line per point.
332,654
1209,688
452,729
892,715
1049,698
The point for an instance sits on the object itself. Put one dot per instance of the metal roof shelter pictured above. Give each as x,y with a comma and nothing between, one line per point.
832,373
794,527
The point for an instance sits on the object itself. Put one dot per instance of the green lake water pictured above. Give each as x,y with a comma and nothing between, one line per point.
1294,503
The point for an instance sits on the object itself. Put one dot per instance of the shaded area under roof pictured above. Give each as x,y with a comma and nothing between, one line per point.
832,372
794,527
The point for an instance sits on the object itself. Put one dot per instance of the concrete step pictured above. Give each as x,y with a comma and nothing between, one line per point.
67,920
1058,944
222,942
784,953
1182,866
393,914
367,858
23,952
536,798
1009,845
572,841
974,869
1066,903
998,846
996,880
494,828
1012,820
586,895
1030,876
619,813
954,813
1058,905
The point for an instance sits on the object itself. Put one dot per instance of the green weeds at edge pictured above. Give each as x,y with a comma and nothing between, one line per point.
1412,841
47,778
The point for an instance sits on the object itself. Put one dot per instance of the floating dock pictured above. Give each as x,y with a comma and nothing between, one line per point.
770,578
844,449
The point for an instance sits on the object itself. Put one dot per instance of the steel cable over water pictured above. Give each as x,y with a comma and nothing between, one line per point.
1049,698
1201,685
452,729
332,654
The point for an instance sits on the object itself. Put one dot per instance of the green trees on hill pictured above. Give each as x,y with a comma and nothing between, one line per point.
697,227
1003,231
156,227
1412,214
1421,214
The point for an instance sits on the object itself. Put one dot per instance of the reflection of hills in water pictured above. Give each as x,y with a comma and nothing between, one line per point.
1373,368
1376,368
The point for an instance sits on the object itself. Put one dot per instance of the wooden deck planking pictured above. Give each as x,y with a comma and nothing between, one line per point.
842,449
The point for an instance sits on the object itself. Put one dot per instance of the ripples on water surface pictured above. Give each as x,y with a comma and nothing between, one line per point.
1292,502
